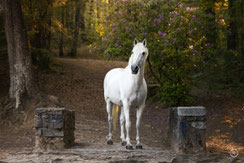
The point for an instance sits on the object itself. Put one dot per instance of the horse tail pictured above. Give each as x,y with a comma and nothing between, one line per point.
115,115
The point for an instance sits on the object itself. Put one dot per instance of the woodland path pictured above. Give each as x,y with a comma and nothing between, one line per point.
78,84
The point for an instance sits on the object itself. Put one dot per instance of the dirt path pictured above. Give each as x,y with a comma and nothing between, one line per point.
81,89
78,85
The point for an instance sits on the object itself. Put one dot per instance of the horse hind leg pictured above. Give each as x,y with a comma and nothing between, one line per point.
122,126
109,107
138,122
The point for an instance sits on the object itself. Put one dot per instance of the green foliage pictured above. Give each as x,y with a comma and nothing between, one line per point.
189,41
42,58
177,44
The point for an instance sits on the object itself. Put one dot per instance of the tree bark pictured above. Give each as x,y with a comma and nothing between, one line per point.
211,31
232,41
242,25
82,21
18,52
76,32
61,53
49,35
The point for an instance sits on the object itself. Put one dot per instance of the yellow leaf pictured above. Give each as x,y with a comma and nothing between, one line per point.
228,121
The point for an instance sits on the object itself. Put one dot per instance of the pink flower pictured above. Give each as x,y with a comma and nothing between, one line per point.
157,20
162,34
127,28
90,51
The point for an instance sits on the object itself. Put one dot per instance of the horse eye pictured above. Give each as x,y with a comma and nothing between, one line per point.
143,53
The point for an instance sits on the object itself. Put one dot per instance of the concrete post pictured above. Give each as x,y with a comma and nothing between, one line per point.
187,126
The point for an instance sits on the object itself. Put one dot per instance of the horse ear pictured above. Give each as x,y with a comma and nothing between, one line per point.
135,41
144,42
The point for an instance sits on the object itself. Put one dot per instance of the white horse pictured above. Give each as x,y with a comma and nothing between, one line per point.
127,88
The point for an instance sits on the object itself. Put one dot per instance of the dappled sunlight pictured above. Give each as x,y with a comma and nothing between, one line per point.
223,143
234,117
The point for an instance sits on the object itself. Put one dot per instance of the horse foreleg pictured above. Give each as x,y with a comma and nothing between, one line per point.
138,122
128,124
110,122
122,126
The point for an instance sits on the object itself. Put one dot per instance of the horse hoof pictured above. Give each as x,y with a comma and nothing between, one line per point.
110,142
123,143
139,147
129,147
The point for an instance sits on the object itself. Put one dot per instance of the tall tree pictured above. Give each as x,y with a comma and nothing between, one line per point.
61,53
18,52
76,31
82,21
232,41
242,27
211,30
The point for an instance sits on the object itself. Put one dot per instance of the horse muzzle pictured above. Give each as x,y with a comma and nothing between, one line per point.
134,69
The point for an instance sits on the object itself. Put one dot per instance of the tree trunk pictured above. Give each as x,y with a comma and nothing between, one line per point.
76,32
211,31
61,53
49,35
232,35
18,52
242,25
82,21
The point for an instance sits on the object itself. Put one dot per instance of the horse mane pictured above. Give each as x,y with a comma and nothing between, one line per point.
130,60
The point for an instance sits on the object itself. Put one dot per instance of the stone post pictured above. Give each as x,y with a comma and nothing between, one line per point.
54,128
187,126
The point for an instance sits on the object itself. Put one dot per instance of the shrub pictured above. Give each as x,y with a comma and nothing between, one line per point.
176,41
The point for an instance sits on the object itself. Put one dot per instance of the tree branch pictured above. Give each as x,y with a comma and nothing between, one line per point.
150,67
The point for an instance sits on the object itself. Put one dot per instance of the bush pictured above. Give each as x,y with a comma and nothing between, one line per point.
176,41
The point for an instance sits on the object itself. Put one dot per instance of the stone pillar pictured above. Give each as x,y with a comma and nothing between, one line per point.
54,128
187,126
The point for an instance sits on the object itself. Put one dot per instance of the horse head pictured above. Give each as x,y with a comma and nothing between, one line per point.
138,56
